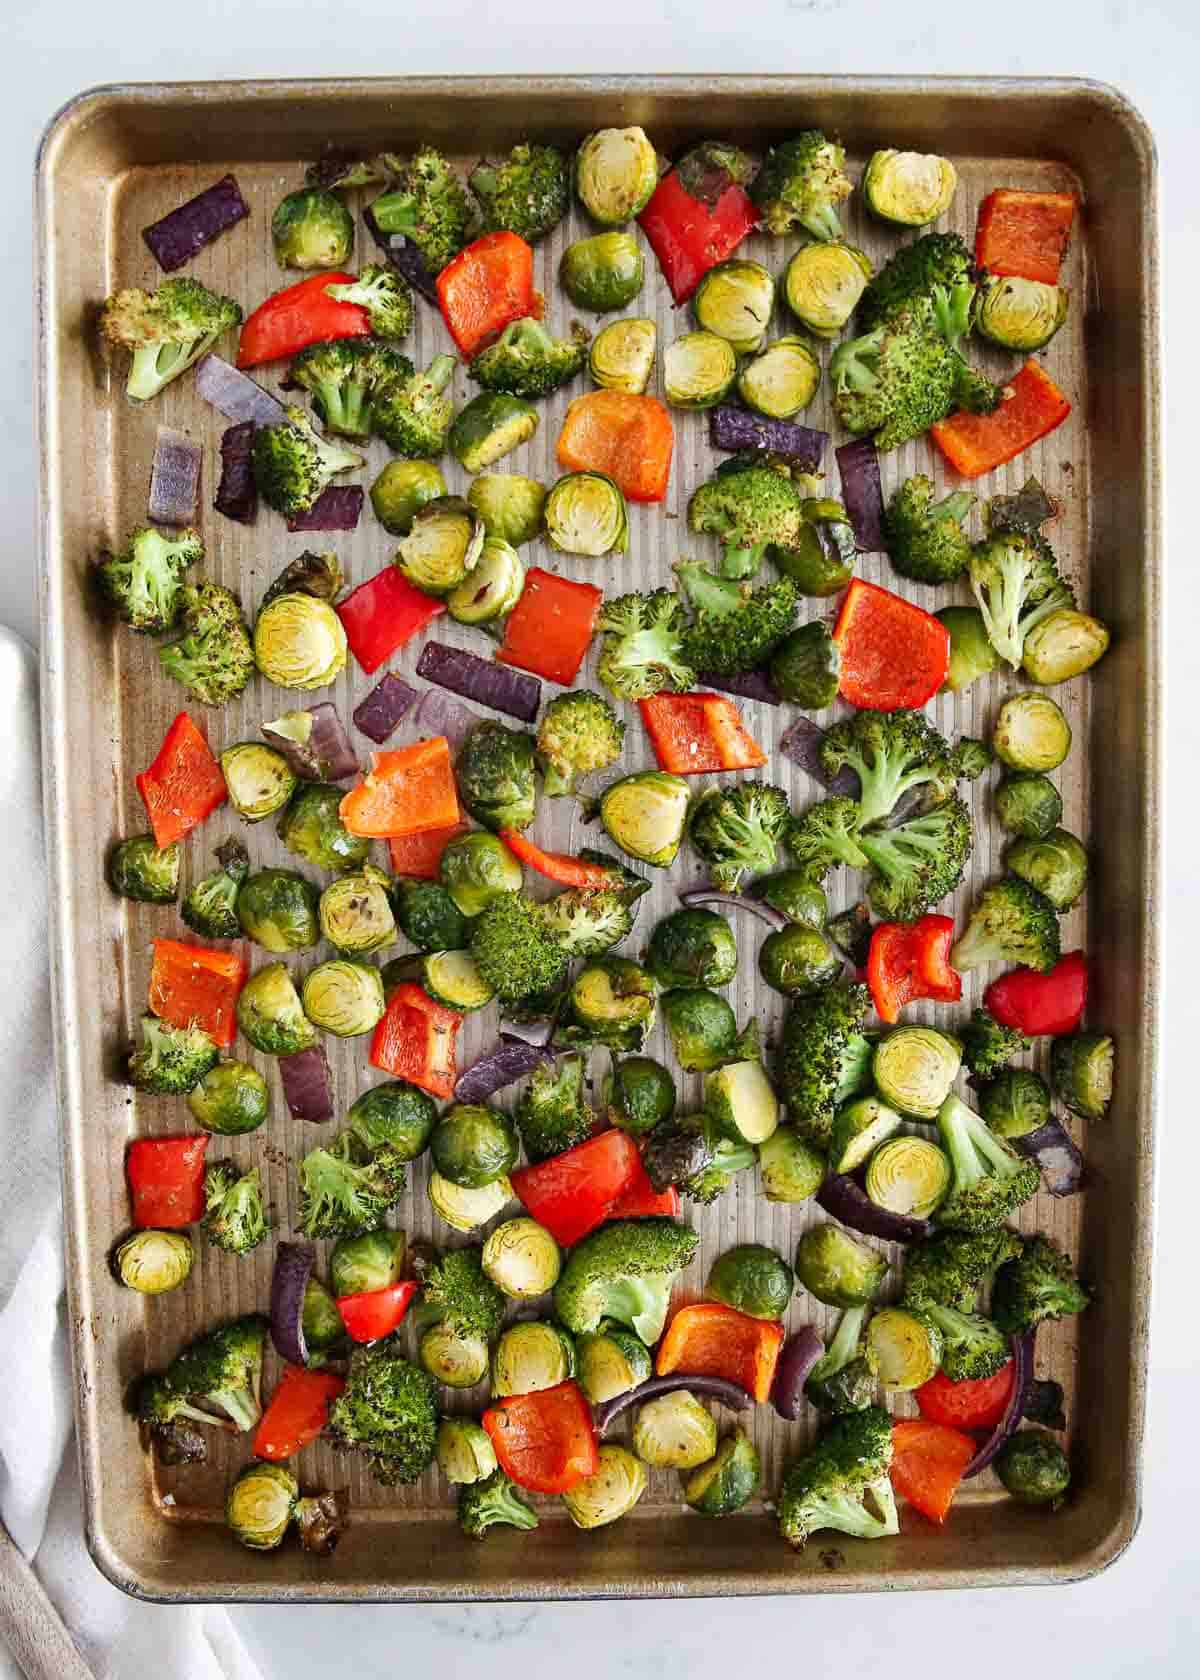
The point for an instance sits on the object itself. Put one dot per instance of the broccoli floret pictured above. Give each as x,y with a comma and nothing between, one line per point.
841,1380
429,206
642,650
579,733
209,907
729,1157
972,1347
457,1292
385,295
494,1500
738,829
925,539
734,628
292,465
514,950
987,1046
826,835
918,862
553,1114
344,376
234,1218
585,923
624,1271
937,268
950,1269
413,419
970,759
890,752
1037,1284
222,1369
528,192
144,580
1016,581
751,511
801,184
214,658
824,1058
842,1483
526,362
1011,922
990,1180
167,330
345,1188
388,1411
897,380
172,1060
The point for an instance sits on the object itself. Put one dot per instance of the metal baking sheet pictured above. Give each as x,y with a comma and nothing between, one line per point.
117,158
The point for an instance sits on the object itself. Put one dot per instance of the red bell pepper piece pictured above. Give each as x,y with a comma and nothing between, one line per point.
911,960
404,792
488,285
384,613
1024,233
974,1403
297,316
192,986
640,1200
166,1181
183,784
297,1413
545,1441
627,436
976,443
415,1040
894,655
557,866
1041,1005
550,629
689,236
928,1461
698,732
572,1193
710,1339
420,855
375,1313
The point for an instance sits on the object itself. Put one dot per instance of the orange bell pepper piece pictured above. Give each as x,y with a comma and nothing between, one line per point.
545,1441
627,436
421,854
551,627
928,1460
713,1340
409,791
976,443
1024,233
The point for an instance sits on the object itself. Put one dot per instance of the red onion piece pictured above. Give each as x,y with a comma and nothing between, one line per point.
862,493
306,1085
733,428
708,898
440,714
848,1202
383,708
536,1033
315,743
235,394
1058,1156
796,1359
335,509
293,1267
237,493
801,742
512,1060
1022,1347
713,1388
175,478
498,686
751,685
179,235
404,258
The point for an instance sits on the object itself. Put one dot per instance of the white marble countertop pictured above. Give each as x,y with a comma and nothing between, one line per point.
1144,1614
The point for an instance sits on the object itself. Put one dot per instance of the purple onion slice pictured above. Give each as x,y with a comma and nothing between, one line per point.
315,743
378,715
293,1267
801,742
175,478
848,1202
306,1085
511,1060
513,692
177,237
1058,1156
713,1388
708,898
335,509
1022,1347
750,685
862,492
796,1359
733,428
441,714
235,394
237,493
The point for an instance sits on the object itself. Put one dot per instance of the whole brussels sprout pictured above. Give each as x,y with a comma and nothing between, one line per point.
311,828
343,997
456,1358
604,272
230,1099
259,1505
258,778
609,1492
154,1262
699,369
639,1094
402,490
312,228
692,948
371,1260
622,355
522,1259
270,1014
823,284
752,1279
509,504
356,912
1029,804
299,641
429,917
781,380
734,300
476,870
795,894
1033,1468
791,1170
728,1481
971,653
806,667
702,1028
1063,646
837,1268
1056,865
277,908
397,1118
616,172
820,562
496,776
798,961
474,1145
1015,1103
141,870
612,1001
443,545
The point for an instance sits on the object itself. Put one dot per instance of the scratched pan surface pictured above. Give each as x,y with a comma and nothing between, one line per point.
115,160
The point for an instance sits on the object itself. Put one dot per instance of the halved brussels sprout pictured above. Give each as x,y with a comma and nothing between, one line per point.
604,272
312,228
396,1117
258,778
356,912
230,1099
674,1432
1020,314
522,1259
616,172
429,917
402,490
154,1262
443,545
313,830
299,642
366,1262
609,1492
795,894
259,1505
914,1068
734,300
453,978
343,997
1015,1103
492,589
781,380
1031,733
858,1128
646,814
324,1329
752,1279
806,667
971,654
270,1014
491,426
728,1481
509,504
1081,1067
612,1001
585,514
701,1026
140,870
611,1361
823,284
908,1175
1056,865
1062,646
792,1171
798,961
698,370
837,1268
474,1145
277,908
739,1098
821,560
903,1348
465,1453
476,870
455,1358
692,948
1027,803
621,357
530,1357
909,189
467,1210
639,1094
